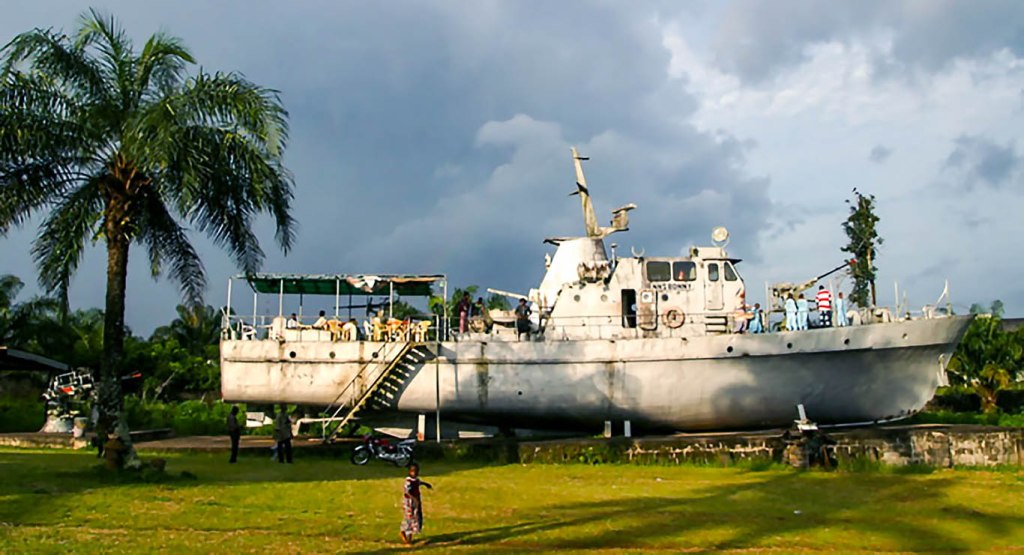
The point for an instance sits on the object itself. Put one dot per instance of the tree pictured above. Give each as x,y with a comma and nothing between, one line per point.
122,146
988,360
860,227
20,321
196,328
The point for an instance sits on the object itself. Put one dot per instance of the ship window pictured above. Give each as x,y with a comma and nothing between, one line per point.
658,271
629,308
684,271
730,273
713,271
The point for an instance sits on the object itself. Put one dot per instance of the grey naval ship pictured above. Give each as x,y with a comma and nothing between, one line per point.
655,342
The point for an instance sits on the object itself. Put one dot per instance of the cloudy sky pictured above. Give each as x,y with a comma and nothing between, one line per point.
434,136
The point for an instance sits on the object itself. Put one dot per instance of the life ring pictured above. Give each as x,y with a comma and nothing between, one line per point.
673,317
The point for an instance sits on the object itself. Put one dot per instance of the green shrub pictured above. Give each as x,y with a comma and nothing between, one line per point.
187,418
949,417
21,415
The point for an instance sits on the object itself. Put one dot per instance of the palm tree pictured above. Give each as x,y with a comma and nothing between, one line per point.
124,147
196,328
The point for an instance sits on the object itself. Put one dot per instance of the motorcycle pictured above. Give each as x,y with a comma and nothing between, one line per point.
398,454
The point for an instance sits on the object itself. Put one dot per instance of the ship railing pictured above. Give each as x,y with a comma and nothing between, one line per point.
272,327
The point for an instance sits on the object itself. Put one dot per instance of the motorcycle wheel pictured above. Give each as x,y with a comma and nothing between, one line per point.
360,456
402,460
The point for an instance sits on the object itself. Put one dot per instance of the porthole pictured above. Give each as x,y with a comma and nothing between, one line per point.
375,355
332,355
664,296
789,345
846,341
520,393
576,298
292,354
904,336
604,298
729,349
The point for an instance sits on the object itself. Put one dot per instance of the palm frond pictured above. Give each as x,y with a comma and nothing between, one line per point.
161,64
63,236
53,56
167,242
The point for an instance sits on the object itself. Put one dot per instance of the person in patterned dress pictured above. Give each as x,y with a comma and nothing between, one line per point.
412,505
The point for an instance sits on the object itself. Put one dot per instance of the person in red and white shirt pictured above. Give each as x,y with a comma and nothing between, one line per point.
824,298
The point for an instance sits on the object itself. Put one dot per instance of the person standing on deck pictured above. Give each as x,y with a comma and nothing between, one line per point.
802,312
840,309
293,322
412,505
235,433
824,300
790,313
463,308
755,325
283,435
523,319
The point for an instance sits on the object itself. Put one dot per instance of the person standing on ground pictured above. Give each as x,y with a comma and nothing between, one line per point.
283,435
412,505
790,313
802,312
841,321
824,299
523,319
235,433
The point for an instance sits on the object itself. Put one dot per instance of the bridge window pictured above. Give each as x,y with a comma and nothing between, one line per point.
659,271
730,273
684,271
713,271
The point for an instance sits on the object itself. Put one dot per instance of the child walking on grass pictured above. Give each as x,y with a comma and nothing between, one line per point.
412,524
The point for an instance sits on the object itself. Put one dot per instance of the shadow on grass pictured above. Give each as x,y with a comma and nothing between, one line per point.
636,522
34,483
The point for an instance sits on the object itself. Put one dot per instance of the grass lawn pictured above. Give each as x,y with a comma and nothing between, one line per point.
57,501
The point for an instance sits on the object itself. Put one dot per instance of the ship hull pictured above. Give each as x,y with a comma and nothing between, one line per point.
841,375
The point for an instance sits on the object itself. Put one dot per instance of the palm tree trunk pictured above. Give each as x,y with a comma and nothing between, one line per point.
111,401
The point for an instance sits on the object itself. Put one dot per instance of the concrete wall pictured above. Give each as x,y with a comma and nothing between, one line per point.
940,446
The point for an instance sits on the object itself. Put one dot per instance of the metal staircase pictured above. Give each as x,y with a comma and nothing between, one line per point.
384,376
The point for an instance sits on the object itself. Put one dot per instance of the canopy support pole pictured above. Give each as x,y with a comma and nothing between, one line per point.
444,309
337,297
227,308
300,307
255,298
391,299
280,300
437,390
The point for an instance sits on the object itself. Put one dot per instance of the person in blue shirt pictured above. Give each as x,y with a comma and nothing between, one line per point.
755,325
802,311
840,309
790,313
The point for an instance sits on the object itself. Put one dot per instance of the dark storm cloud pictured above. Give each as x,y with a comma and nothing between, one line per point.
435,137
758,38
981,160
879,154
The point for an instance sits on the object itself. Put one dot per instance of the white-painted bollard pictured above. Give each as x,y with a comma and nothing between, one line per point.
607,428
421,428
627,429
